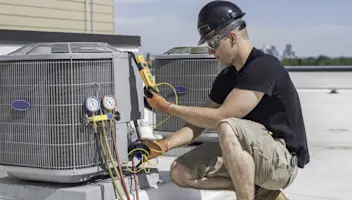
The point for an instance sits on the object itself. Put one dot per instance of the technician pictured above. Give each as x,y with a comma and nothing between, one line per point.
255,109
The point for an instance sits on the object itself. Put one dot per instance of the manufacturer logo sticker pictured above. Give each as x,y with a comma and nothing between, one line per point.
181,89
20,105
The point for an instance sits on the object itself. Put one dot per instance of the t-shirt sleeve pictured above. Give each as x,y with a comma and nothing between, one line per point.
216,93
222,85
260,75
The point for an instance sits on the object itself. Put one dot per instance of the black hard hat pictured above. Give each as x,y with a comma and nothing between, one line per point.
216,15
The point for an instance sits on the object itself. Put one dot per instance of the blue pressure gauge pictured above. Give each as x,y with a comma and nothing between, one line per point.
92,104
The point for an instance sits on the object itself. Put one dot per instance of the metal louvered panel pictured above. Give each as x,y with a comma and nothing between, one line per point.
194,72
50,135
64,47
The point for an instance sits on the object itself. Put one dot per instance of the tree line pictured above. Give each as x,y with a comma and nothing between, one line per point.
317,61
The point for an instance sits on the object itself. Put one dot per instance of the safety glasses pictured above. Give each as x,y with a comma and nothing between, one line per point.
214,42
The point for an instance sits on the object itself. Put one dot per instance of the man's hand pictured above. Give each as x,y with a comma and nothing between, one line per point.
150,148
157,101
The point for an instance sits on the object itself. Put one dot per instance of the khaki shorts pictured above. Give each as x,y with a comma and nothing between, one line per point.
273,167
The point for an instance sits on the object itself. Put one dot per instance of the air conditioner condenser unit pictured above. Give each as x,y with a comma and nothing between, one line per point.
43,88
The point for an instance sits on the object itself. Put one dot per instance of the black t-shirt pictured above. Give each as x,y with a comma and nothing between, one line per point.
279,110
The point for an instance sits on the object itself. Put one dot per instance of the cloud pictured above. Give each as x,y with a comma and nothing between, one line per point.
134,1
135,21
183,2
162,28
327,39
161,34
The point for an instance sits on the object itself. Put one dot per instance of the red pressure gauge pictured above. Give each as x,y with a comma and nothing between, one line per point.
109,102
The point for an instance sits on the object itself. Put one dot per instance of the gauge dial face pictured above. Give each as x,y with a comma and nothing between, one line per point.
92,104
109,102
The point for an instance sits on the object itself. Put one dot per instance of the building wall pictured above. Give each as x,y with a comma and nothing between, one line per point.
81,16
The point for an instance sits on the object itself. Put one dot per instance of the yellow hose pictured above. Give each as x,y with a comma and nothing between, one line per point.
123,183
110,154
145,157
101,137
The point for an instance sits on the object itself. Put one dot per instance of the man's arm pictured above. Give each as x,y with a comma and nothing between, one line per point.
237,104
260,78
188,133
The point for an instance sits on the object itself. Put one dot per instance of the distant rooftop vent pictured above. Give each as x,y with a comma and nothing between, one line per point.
64,47
188,50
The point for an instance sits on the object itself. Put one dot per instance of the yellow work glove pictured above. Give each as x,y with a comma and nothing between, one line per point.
156,101
150,148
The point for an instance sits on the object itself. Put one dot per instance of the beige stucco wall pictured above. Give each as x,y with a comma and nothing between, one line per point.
58,15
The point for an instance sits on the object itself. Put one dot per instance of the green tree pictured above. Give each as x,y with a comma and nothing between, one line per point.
321,60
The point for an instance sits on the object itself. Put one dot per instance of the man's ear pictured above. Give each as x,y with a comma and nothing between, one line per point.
233,37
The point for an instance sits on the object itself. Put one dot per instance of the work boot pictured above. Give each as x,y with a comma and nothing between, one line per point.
263,194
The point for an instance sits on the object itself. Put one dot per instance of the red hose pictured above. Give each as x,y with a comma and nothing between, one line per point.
119,163
135,181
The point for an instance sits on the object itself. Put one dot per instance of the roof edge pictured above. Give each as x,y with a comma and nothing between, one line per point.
9,36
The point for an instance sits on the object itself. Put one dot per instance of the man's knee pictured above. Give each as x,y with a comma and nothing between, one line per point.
228,132
179,175
230,126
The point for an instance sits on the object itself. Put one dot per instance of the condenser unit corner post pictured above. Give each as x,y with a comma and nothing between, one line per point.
72,110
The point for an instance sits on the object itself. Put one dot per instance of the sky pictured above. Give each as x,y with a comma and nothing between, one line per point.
314,27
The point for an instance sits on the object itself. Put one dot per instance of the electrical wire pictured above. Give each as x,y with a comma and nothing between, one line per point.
146,154
176,102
